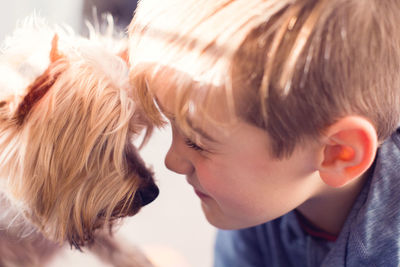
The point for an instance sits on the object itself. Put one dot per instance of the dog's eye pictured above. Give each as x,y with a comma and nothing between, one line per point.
137,165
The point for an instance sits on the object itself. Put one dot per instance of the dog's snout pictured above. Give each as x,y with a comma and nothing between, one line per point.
148,194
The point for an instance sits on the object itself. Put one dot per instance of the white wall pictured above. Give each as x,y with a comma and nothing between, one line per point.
172,229
63,11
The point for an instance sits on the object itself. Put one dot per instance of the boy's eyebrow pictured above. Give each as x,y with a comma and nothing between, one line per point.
171,117
200,131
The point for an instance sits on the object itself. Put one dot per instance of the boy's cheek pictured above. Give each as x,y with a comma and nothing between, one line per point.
210,179
217,182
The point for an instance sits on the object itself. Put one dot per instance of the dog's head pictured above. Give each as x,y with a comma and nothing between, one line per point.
67,123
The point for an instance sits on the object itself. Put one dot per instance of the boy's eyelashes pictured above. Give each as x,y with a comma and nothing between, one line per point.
192,145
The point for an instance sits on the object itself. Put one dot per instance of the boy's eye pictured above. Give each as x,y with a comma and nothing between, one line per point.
192,145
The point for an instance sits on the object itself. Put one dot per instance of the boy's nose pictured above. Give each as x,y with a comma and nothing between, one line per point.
176,161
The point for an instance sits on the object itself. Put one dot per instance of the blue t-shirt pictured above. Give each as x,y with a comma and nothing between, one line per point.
369,237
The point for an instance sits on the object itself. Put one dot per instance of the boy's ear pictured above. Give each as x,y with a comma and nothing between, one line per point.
349,149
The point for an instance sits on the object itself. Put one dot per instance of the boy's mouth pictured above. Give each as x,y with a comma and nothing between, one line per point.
200,194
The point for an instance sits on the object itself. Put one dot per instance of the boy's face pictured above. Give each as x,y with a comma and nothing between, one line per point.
238,182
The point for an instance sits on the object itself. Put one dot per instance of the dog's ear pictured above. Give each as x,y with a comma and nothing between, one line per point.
54,52
124,54
41,84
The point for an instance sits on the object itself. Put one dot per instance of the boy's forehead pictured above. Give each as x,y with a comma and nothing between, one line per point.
176,90
197,123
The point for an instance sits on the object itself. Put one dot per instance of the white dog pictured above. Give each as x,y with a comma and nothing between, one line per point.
67,164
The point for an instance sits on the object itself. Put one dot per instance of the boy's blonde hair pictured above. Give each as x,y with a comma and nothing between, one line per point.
290,67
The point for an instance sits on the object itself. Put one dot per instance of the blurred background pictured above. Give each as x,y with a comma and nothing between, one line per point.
172,230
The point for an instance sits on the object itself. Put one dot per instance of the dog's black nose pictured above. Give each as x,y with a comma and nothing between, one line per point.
148,194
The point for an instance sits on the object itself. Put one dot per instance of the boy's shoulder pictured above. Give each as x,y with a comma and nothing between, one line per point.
374,223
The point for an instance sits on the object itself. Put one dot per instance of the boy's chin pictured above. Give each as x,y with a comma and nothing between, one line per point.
225,221
217,218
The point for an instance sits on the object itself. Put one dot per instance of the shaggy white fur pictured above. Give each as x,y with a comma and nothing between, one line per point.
68,167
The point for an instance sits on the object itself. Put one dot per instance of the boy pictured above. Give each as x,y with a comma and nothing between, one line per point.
283,115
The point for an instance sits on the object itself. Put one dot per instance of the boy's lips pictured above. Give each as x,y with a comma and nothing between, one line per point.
198,192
